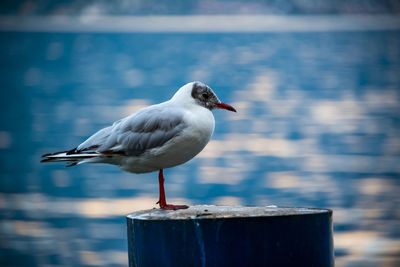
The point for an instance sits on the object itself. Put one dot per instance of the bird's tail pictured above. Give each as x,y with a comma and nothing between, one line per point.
71,157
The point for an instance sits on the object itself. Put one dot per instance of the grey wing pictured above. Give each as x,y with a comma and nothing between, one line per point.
149,128
95,141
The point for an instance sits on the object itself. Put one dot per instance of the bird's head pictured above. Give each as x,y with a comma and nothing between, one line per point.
202,95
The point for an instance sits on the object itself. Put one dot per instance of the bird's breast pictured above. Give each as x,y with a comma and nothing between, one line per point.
201,124
192,140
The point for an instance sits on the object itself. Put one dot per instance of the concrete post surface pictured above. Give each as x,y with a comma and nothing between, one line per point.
231,236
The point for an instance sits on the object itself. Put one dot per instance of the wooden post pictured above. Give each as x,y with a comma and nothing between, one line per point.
231,236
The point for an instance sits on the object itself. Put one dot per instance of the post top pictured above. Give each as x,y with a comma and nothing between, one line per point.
213,212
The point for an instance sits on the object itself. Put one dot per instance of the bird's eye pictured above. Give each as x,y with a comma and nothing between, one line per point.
205,96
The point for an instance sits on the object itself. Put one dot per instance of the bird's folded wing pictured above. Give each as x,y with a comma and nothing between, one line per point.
133,135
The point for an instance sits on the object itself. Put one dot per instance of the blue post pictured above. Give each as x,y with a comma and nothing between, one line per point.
231,236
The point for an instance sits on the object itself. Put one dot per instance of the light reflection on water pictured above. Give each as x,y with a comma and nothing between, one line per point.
317,125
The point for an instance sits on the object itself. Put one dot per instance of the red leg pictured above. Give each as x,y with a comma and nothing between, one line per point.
161,201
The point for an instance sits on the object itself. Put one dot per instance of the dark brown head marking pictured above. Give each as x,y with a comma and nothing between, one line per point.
204,96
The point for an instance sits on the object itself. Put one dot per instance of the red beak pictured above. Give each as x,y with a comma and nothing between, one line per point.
226,106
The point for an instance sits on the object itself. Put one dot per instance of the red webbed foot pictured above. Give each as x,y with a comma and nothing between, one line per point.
173,207
165,206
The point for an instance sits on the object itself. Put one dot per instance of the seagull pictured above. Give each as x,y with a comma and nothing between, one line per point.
154,138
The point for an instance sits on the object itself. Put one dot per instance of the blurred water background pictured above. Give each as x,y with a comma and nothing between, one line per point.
317,124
